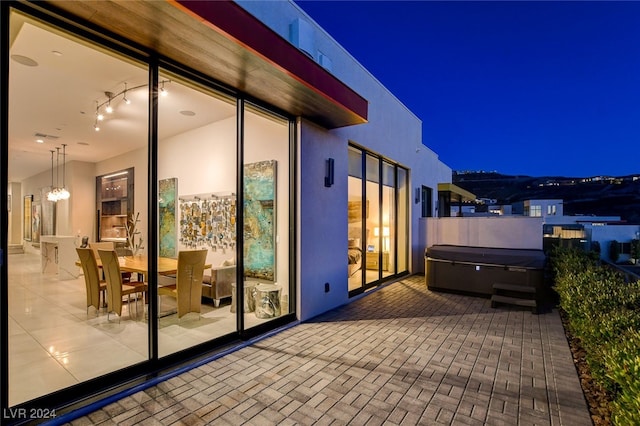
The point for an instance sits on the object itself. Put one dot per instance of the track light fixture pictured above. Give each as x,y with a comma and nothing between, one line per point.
163,91
124,95
113,97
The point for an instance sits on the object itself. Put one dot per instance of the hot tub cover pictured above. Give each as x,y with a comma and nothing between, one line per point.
524,258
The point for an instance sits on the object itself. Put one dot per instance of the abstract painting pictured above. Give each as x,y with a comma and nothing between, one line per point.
259,220
167,191
208,221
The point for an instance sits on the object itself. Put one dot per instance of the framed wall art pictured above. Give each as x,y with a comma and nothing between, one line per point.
168,238
36,222
28,201
259,220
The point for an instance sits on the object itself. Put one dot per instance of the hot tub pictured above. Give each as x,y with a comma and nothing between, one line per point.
474,270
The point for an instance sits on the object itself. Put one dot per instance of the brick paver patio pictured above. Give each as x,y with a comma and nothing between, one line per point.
399,355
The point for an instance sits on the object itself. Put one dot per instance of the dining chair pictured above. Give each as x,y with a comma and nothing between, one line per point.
95,286
188,287
116,289
108,245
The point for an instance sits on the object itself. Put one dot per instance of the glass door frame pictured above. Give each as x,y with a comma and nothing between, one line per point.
381,160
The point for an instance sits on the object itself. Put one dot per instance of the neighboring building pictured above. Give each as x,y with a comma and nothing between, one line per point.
539,208
275,151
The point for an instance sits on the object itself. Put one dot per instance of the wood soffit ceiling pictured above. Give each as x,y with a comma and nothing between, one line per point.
222,40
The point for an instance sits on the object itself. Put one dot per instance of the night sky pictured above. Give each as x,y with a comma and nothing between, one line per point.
531,88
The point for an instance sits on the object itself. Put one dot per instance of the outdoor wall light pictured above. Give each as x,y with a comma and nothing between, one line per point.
417,195
328,178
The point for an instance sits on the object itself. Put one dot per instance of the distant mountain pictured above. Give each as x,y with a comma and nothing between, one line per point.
596,195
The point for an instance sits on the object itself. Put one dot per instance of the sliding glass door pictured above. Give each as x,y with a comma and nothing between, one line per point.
378,220
151,214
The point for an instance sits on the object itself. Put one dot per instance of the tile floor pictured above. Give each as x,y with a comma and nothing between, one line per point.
401,355
54,343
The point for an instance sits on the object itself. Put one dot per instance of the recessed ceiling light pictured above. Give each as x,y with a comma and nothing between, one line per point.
24,60
188,113
39,141
57,53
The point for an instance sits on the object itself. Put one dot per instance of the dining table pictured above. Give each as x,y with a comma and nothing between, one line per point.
140,264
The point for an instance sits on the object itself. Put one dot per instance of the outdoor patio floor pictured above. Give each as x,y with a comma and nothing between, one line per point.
398,355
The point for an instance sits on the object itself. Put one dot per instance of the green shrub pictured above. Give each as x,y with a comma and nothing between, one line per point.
622,362
604,313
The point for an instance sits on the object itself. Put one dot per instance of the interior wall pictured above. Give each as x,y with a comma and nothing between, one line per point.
210,152
82,184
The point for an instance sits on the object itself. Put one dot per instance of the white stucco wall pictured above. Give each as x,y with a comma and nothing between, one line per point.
518,232
392,131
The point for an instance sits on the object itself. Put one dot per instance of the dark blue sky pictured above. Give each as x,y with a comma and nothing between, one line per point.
534,88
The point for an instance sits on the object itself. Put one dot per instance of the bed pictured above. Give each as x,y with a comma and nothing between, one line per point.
355,257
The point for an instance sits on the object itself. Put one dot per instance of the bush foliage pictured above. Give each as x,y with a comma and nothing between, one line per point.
604,313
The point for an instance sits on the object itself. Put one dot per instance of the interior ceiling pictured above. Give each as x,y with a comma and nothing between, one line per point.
56,100
217,39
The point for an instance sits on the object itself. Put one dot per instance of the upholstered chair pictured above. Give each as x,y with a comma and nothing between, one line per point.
217,284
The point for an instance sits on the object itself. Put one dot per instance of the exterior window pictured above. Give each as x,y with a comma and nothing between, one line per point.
92,123
427,201
535,211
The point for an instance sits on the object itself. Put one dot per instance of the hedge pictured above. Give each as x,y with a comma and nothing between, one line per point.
604,313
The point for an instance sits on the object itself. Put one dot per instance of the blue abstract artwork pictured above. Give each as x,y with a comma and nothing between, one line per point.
167,190
259,220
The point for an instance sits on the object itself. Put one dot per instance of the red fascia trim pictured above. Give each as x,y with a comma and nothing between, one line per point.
235,23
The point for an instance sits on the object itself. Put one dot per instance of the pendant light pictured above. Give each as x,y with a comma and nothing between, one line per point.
63,194
51,196
59,193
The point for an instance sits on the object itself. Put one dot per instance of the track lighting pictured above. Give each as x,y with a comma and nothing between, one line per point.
124,95
112,97
109,108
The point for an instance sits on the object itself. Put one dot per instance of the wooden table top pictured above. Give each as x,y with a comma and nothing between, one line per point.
139,264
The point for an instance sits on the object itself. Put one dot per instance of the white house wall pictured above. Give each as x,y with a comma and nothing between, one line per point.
517,232
392,131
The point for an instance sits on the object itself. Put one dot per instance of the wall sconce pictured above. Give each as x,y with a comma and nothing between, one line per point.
417,195
328,178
